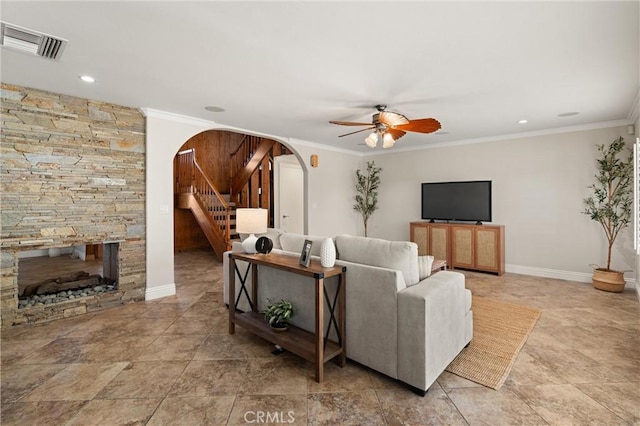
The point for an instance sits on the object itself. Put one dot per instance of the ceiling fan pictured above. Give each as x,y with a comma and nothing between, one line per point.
392,126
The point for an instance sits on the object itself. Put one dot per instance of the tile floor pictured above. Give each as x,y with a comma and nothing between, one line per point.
172,362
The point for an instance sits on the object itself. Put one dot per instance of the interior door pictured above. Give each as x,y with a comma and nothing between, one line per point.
289,194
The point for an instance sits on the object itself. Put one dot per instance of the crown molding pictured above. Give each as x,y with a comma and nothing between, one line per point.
212,125
317,145
179,118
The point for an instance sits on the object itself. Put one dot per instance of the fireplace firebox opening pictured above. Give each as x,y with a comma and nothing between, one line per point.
59,275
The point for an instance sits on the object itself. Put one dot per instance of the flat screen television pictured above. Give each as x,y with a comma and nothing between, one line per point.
468,201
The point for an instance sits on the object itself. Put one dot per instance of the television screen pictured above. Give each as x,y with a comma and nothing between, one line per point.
457,201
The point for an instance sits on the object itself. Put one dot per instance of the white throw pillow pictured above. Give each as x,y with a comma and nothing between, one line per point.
424,266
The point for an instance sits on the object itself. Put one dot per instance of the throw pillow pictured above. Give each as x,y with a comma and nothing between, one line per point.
424,266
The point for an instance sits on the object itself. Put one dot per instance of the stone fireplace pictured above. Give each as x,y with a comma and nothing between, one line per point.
73,173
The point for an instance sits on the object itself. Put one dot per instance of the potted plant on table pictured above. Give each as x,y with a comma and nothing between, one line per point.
278,314
611,205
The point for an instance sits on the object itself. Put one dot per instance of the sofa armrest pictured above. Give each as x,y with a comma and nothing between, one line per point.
431,327
371,315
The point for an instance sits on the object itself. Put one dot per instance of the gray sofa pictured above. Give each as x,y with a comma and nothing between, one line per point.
396,323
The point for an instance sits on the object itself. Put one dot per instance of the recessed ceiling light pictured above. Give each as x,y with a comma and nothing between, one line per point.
522,122
214,109
568,114
87,78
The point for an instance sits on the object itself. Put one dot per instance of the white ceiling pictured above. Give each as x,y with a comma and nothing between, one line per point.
287,68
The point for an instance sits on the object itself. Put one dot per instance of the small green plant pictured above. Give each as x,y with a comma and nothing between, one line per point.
367,192
279,313
612,200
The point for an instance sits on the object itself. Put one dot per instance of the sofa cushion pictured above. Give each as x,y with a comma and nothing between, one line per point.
424,266
398,255
272,233
294,242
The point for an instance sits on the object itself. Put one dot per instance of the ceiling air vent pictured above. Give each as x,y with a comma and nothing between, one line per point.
29,41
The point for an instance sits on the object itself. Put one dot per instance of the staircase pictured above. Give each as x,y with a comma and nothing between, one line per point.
194,191
251,185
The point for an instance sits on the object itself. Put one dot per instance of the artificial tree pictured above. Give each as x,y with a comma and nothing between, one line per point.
611,203
367,184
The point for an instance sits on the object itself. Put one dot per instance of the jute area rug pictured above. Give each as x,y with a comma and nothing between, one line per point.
500,330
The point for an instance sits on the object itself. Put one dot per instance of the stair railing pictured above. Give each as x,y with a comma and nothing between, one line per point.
191,179
184,171
245,160
243,153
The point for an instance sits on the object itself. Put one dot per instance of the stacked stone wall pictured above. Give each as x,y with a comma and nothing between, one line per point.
72,172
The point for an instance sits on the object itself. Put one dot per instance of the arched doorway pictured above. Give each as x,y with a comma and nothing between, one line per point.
166,133
217,171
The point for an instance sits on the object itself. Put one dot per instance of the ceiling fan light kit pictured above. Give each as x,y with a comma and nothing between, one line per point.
392,126
372,140
387,140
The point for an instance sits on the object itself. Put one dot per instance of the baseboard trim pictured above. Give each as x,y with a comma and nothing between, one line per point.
561,275
152,293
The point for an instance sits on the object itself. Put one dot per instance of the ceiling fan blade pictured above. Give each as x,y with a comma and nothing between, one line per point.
397,134
422,125
392,118
358,131
349,123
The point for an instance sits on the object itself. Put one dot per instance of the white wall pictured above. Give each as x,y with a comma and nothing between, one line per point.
330,189
327,203
538,187
165,135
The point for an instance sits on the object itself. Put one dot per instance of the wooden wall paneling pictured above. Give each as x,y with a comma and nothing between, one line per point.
254,195
187,234
244,197
213,150
91,252
265,180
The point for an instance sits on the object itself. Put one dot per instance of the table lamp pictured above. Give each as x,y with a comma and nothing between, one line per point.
251,221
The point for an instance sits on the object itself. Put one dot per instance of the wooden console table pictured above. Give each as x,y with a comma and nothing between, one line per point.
315,347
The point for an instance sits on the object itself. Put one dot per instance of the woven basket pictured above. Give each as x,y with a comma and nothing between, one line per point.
608,280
